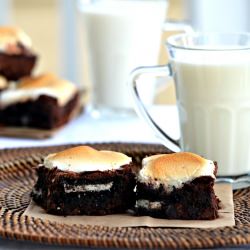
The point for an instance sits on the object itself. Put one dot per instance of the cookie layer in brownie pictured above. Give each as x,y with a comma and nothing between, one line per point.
16,56
43,102
84,181
177,186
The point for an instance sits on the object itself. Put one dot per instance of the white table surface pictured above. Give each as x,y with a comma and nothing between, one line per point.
105,129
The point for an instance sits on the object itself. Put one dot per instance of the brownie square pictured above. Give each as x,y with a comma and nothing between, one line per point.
85,193
40,102
42,113
194,201
177,186
15,66
16,56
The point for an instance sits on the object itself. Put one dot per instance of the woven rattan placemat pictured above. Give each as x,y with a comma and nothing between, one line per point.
17,177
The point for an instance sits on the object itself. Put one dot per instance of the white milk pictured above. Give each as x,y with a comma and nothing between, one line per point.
121,35
213,92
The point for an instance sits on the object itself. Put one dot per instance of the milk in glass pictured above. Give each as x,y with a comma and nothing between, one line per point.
120,35
213,95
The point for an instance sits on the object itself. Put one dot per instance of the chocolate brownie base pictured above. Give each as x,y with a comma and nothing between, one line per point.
43,113
15,66
194,201
86,193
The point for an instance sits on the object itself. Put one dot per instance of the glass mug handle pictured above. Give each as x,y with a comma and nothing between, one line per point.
140,107
169,25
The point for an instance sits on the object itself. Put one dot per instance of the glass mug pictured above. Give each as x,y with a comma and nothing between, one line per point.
212,81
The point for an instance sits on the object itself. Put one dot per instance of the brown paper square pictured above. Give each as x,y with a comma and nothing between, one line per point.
226,216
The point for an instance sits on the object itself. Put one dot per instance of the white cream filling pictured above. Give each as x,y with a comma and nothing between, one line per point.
150,205
87,188
172,181
37,192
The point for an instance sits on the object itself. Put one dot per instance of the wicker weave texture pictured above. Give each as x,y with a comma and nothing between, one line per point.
17,178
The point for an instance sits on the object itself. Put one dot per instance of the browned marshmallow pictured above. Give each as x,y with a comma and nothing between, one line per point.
30,88
85,158
175,169
10,37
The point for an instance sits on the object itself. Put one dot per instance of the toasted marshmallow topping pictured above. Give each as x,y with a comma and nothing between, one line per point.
3,82
31,88
85,159
11,36
173,170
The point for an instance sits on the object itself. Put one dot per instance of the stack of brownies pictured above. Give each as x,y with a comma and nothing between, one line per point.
27,102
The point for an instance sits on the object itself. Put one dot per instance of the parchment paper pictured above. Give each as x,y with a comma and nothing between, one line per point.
226,216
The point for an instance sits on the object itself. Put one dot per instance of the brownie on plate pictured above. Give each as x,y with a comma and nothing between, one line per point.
85,181
177,186
42,102
16,56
